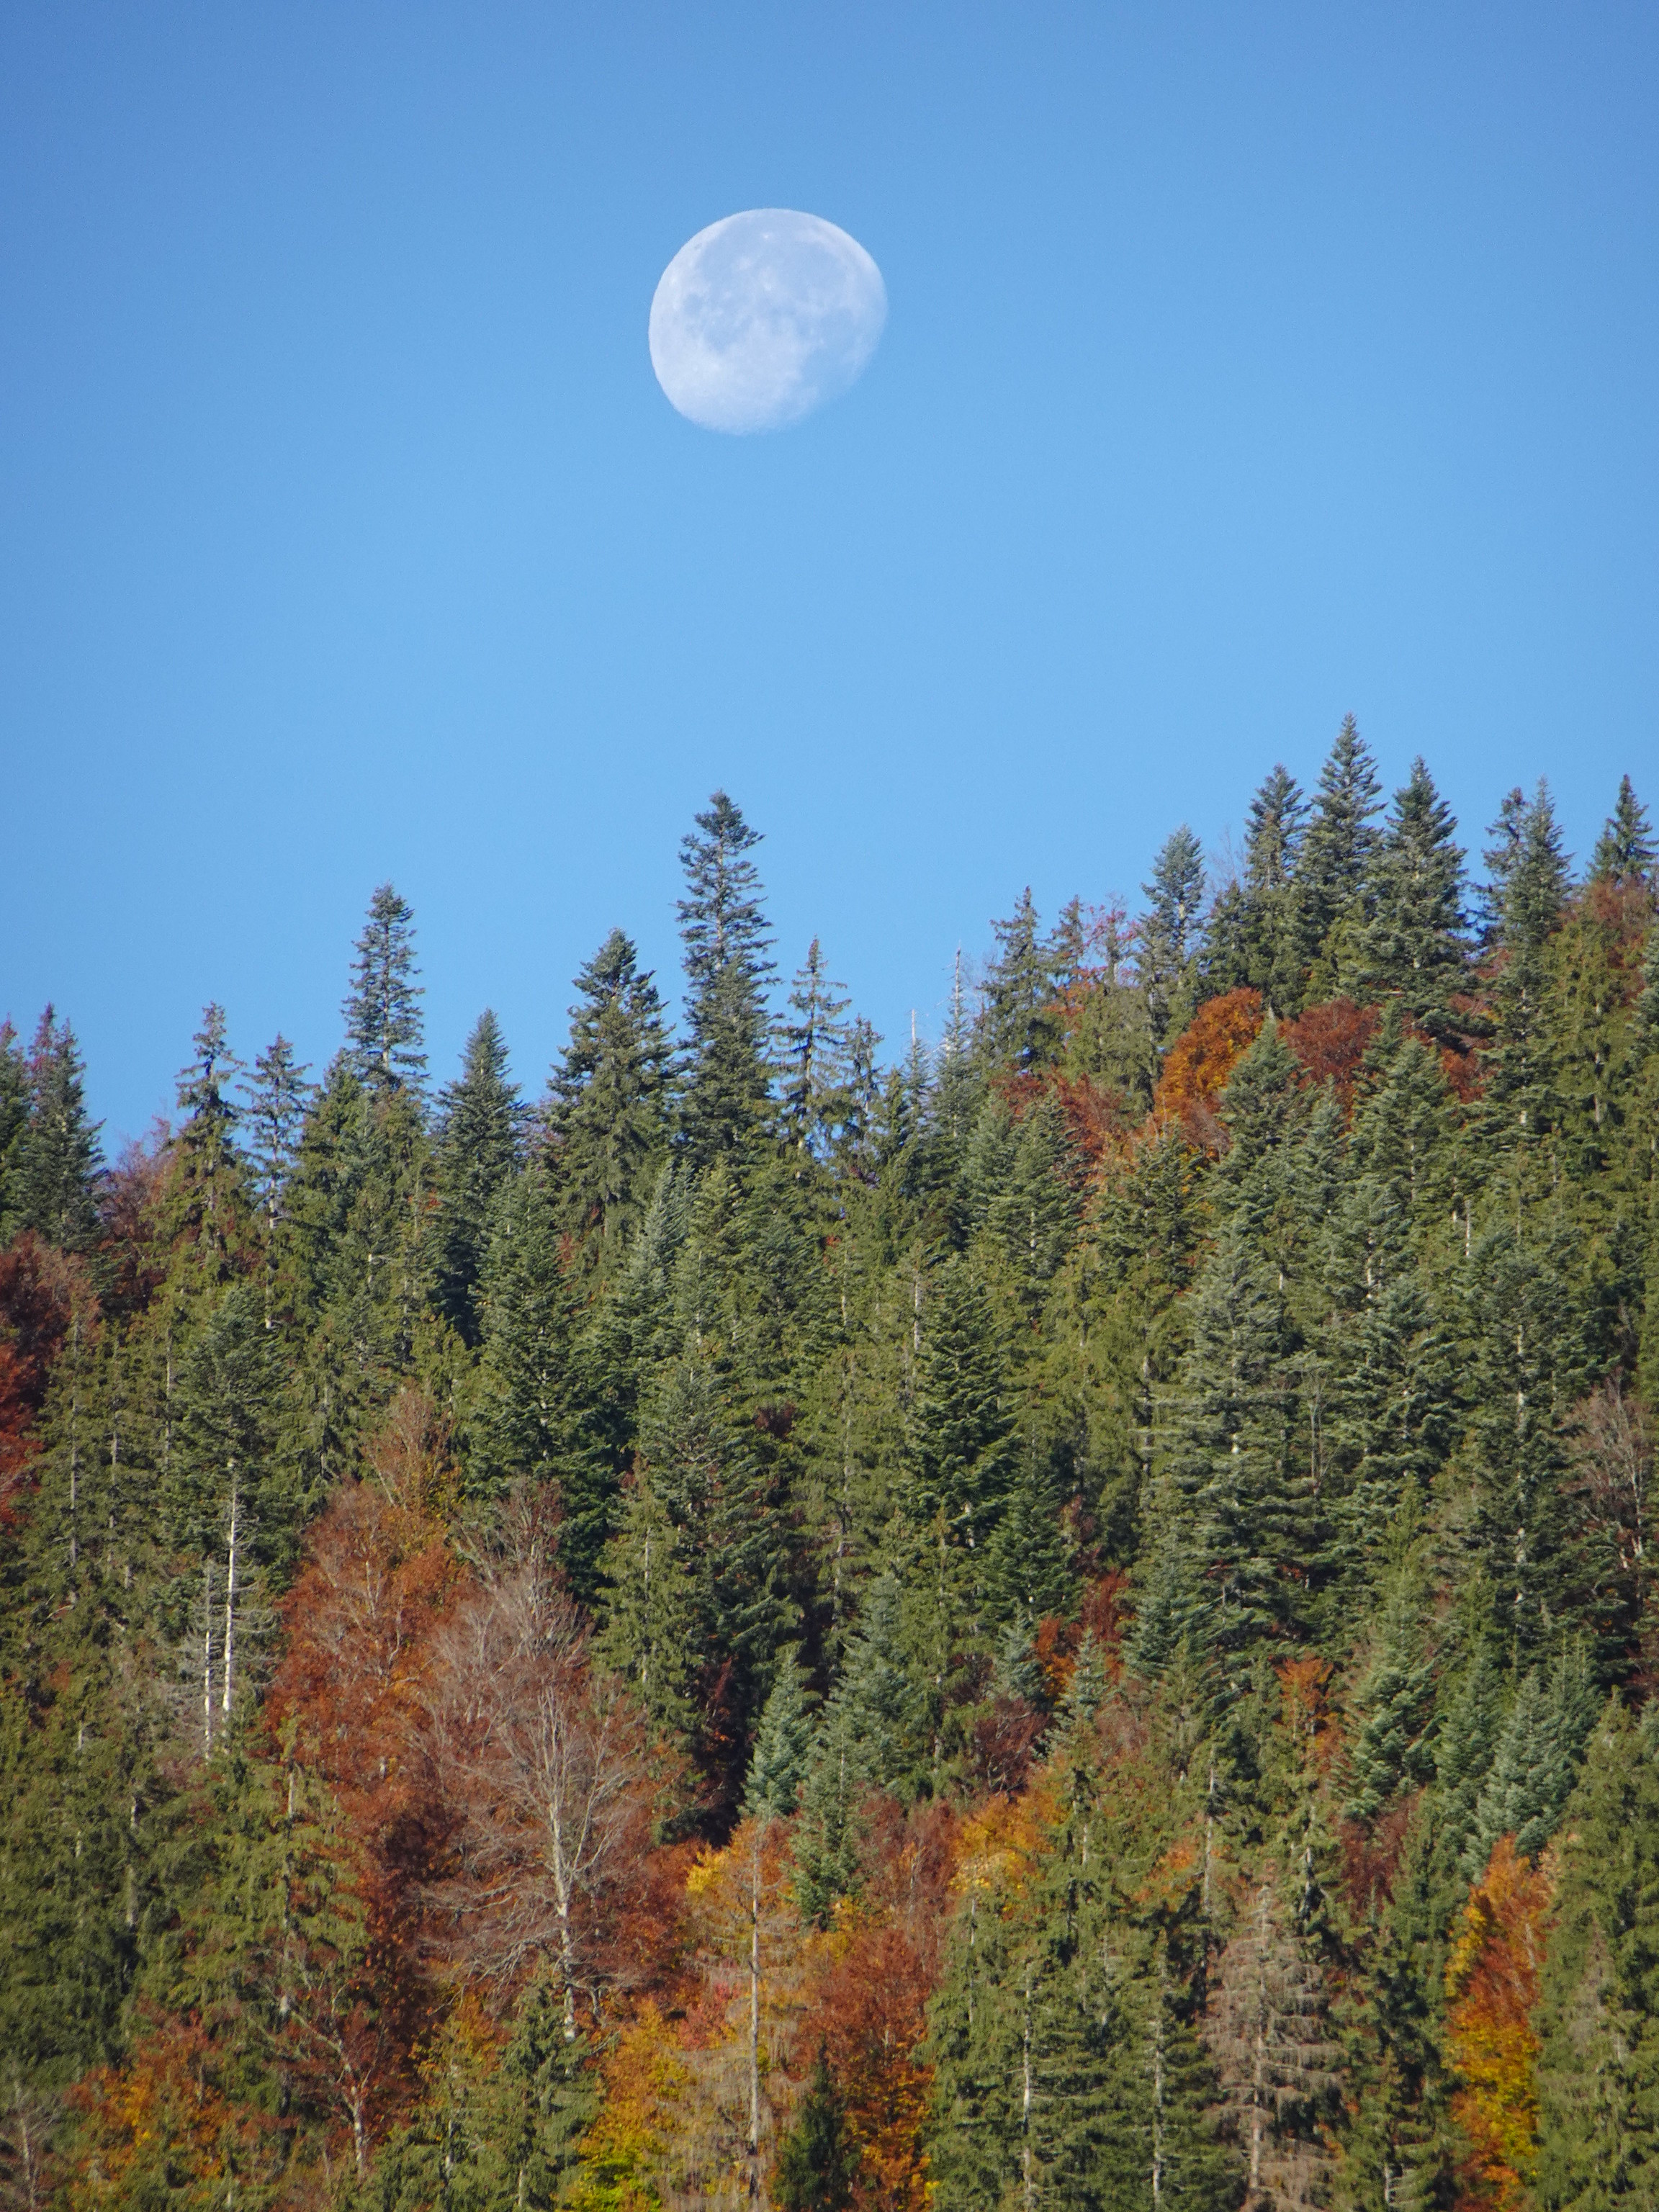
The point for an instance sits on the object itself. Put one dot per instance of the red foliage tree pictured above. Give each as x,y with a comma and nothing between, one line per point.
1331,1042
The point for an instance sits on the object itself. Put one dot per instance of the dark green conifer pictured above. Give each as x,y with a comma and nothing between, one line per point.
817,2161
477,1152
815,1068
1333,868
1021,1027
608,1115
1169,933
13,1127
723,928
58,1163
1411,946
384,1028
1624,851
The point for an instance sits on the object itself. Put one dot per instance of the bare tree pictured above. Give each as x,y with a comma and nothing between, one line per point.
1613,1450
543,1756
1277,2063
27,2115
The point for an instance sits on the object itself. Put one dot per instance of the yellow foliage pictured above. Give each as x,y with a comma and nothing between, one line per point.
1491,1983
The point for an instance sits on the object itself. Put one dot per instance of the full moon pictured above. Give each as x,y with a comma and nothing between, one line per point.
763,316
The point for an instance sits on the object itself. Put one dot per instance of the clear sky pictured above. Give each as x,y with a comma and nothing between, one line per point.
1244,365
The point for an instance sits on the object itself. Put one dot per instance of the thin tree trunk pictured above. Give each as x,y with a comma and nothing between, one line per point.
754,2015
230,1592
206,1657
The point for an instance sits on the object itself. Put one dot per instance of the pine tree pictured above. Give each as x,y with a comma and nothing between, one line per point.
59,1165
649,1610
1411,946
1274,954
476,1153
723,928
384,1029
608,1115
777,1766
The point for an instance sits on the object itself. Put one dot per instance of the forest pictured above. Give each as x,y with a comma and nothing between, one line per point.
1060,1618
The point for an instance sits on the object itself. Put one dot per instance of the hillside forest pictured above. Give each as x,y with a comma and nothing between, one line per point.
1060,1618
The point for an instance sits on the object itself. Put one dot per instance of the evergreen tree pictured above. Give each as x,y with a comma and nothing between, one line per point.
13,1127
723,928
1021,1027
476,1153
1168,937
1598,2073
1624,851
815,1060
58,1164
817,2161
608,1114
1532,886
1411,946
277,1099
209,1195
1333,869
384,1029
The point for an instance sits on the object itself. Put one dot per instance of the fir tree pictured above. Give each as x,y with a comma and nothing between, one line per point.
1598,2073
272,1118
1624,851
1334,867
58,1164
476,1153
1411,946
13,1127
723,928
384,1028
817,2161
1021,1025
815,1060
608,1114
1168,935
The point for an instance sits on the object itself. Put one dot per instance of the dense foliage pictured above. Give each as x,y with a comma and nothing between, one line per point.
1065,1622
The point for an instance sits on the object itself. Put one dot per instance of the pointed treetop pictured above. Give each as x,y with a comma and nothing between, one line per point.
721,918
384,1029
777,1766
1624,851
1273,837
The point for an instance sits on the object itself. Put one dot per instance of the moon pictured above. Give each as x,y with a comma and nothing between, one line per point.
763,316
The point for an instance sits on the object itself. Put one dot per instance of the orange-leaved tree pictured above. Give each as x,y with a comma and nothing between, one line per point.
1492,1985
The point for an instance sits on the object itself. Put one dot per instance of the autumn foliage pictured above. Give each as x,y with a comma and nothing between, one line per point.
1204,1055
1492,1986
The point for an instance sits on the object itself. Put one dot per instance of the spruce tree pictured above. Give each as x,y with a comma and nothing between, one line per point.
13,1127
1598,2068
815,1060
817,2161
1168,933
384,1029
272,1118
1411,944
723,928
1624,851
608,1114
1021,1027
477,1152
58,1163
1333,869
1533,890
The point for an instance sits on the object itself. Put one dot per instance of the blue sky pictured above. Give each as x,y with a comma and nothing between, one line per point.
1244,367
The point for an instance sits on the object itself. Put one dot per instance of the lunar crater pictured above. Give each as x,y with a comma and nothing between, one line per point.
763,316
